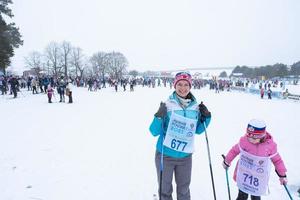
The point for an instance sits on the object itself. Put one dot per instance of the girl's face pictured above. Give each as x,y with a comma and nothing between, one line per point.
182,88
254,140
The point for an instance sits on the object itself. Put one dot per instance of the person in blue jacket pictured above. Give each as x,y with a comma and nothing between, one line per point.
176,122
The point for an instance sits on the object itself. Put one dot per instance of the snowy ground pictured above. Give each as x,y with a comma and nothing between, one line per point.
99,147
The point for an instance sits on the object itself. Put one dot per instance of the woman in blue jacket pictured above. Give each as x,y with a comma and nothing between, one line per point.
176,122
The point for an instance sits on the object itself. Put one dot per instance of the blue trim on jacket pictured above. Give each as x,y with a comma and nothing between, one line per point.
159,126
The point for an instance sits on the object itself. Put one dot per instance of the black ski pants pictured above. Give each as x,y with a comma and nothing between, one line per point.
244,196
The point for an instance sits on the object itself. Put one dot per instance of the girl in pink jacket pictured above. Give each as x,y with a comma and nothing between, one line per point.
257,151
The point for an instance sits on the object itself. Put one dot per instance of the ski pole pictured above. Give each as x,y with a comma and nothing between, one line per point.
161,158
209,159
228,187
288,192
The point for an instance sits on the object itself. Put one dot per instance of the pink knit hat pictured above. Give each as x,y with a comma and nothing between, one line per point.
183,76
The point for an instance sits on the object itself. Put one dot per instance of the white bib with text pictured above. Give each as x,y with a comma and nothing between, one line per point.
180,133
253,174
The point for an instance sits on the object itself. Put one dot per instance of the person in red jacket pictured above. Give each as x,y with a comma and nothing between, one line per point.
262,92
257,151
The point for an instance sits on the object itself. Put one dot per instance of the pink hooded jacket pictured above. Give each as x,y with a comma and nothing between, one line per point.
266,148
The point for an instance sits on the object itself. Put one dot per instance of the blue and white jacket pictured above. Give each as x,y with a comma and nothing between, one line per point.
159,126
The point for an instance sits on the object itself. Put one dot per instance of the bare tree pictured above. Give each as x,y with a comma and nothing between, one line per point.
99,61
133,73
52,54
77,60
66,48
34,62
117,64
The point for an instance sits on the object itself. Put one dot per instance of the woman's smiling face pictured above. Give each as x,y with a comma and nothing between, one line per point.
182,88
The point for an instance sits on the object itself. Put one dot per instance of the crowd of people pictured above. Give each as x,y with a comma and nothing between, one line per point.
11,85
62,85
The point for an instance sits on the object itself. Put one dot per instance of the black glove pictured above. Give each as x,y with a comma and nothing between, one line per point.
162,111
204,113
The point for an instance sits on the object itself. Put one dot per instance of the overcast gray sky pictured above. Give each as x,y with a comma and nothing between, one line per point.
166,34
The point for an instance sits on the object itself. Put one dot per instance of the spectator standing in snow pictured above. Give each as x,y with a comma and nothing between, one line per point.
46,82
40,83
285,94
50,93
34,85
29,83
132,83
176,122
262,92
1,84
4,85
14,84
69,92
269,93
61,89
257,150
115,83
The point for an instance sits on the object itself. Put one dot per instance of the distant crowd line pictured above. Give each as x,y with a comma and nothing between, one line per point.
47,85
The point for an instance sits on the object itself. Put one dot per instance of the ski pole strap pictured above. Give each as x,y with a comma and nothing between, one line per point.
225,163
280,176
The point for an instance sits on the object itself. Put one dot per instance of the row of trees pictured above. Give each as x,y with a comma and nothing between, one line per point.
10,37
269,71
64,59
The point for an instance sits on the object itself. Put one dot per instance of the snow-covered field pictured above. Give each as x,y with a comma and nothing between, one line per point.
100,147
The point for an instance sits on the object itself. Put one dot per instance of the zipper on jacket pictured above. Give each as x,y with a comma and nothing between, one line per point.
184,109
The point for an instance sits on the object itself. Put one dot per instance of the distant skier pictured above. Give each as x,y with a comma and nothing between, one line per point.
257,150
176,122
